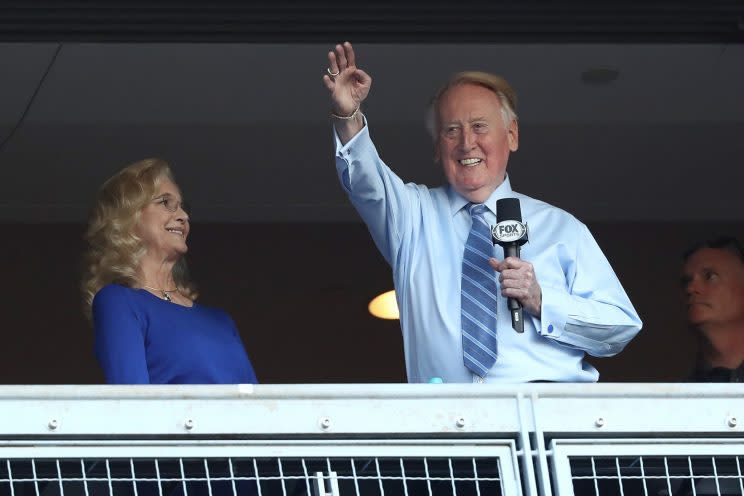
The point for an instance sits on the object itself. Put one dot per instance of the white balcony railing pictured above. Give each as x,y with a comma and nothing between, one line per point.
443,439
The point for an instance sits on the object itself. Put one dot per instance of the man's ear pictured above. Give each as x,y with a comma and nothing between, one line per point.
437,155
513,135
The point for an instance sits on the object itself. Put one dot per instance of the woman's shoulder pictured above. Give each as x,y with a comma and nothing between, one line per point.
114,300
113,291
114,295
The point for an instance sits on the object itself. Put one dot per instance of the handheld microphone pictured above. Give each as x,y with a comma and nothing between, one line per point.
510,233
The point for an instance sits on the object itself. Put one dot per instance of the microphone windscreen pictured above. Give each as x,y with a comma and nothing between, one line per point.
508,209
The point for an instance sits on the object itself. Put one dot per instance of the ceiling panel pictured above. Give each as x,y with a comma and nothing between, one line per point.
408,21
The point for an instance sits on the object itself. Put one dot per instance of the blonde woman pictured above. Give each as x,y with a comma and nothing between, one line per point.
137,292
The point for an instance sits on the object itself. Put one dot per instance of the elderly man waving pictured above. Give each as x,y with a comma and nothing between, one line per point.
451,282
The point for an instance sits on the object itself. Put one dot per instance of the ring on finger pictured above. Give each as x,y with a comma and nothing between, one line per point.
333,74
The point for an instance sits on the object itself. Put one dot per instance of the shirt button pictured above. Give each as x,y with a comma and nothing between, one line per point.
550,328
480,380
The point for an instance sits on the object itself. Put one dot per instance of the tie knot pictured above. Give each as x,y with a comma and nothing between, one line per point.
476,209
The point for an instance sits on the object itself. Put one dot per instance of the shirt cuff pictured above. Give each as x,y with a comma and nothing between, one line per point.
344,151
552,321
561,326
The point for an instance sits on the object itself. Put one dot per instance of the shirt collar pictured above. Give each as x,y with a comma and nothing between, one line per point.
458,202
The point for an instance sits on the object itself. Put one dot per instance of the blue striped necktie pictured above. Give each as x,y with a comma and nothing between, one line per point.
478,299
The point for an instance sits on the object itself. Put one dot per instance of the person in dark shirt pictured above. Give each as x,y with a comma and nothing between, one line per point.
713,280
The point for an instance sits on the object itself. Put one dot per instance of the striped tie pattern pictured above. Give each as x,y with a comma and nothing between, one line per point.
478,300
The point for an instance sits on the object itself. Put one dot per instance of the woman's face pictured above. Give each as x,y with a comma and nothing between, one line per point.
164,224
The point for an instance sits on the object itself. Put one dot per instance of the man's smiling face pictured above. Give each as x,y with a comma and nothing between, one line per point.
473,141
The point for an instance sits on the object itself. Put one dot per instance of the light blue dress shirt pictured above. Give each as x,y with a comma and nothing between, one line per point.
422,231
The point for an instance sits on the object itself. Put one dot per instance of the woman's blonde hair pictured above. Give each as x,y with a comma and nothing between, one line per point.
114,249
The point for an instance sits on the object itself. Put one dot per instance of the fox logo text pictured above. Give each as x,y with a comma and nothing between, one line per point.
508,231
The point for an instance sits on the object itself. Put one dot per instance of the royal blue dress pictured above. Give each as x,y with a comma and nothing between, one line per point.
142,339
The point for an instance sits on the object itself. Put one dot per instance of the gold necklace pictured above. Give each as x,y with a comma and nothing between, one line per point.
164,292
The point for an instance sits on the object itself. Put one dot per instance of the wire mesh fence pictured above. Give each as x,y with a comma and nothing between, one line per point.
350,440
649,475
284,476
665,468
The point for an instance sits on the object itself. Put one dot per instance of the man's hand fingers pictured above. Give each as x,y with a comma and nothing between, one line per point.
518,281
341,57
507,263
328,82
332,62
514,262
517,293
350,57
495,263
514,279
363,78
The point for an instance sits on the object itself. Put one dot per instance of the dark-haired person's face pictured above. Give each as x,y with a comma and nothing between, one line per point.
163,224
713,280
472,143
